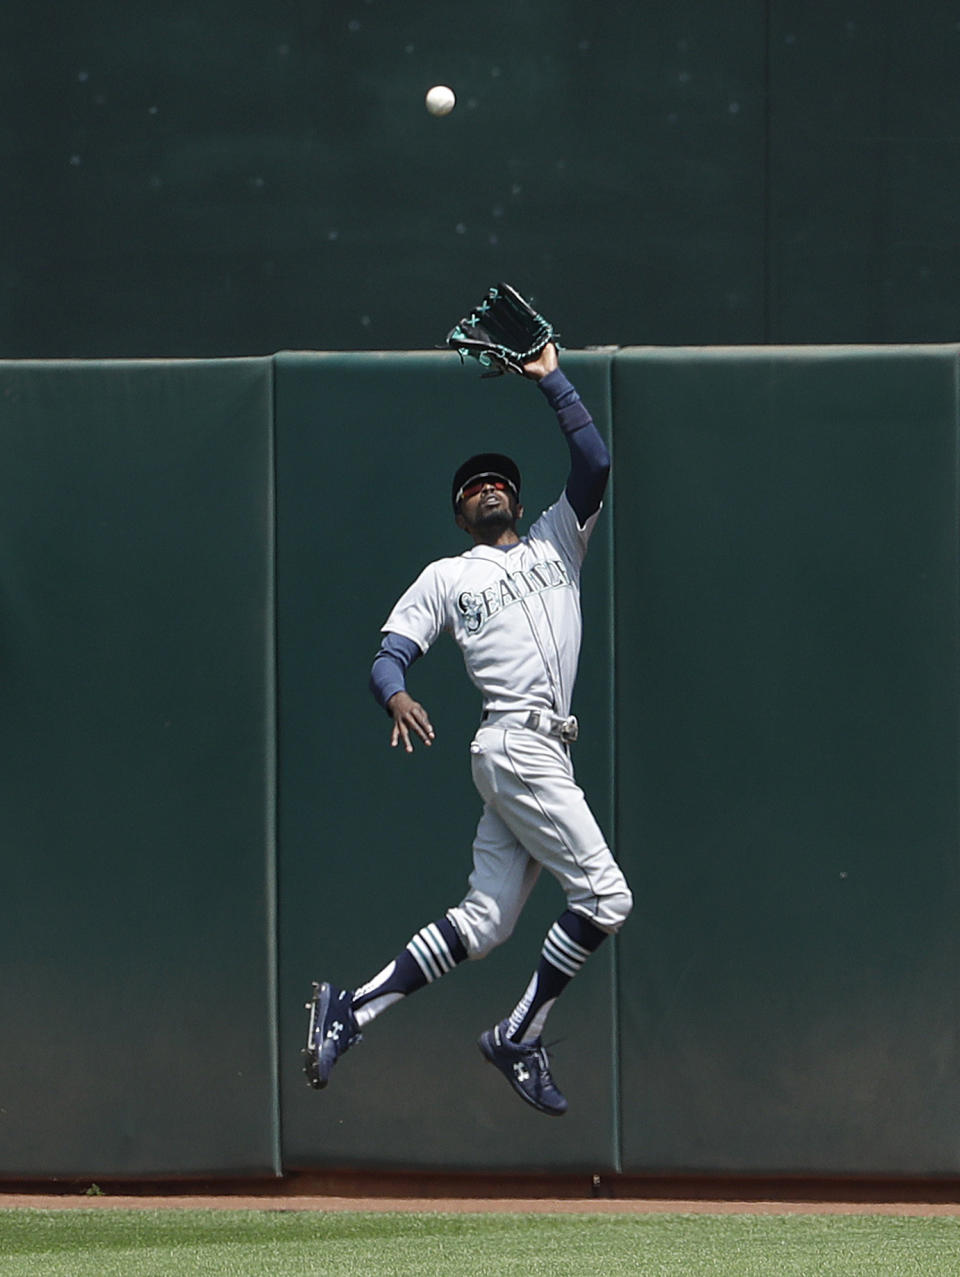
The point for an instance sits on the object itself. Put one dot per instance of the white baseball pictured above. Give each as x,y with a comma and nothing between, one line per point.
440,100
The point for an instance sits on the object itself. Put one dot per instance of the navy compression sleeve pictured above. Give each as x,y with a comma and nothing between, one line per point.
390,665
589,458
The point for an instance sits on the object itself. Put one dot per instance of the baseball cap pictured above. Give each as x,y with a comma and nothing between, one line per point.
485,464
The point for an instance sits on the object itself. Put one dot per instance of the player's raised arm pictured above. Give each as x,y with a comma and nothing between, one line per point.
589,458
505,334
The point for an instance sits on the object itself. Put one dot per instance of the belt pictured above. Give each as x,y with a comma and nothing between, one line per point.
536,720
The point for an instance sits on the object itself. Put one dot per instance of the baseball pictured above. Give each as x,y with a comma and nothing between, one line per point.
440,100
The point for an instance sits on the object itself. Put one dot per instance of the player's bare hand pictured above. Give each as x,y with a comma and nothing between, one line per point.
409,718
544,363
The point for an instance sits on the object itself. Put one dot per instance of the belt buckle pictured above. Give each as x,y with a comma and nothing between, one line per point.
569,729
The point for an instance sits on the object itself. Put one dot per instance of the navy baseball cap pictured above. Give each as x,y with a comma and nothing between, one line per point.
482,466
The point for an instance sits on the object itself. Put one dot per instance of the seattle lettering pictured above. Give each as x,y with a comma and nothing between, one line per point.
476,609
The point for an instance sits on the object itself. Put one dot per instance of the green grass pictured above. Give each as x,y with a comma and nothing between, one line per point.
168,1243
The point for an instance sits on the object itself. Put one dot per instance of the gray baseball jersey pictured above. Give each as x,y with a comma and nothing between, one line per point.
514,612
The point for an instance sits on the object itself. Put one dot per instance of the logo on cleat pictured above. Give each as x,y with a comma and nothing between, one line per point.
521,1072
335,1030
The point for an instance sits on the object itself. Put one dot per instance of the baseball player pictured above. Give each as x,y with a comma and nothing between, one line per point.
512,604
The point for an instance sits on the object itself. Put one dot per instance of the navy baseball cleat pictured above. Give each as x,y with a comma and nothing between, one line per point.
526,1068
332,1030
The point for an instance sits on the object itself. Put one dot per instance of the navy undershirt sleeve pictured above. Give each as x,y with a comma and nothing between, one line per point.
589,458
390,665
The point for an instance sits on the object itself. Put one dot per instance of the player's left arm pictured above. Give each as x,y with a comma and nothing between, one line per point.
589,458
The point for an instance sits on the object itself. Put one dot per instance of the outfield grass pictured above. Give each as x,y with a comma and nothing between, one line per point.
171,1243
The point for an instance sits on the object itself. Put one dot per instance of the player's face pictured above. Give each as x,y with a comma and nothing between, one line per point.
488,507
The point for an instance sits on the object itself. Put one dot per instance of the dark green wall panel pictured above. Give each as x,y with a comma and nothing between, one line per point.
242,164
787,811
137,781
374,843
864,156
690,173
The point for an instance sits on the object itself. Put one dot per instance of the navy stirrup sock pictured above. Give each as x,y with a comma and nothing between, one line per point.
569,943
431,953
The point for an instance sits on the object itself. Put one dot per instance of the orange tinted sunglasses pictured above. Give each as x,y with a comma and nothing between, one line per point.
478,485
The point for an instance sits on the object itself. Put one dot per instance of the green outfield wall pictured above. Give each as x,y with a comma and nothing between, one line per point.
241,177
201,812
138,798
787,712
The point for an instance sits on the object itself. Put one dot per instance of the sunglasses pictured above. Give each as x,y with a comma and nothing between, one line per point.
477,486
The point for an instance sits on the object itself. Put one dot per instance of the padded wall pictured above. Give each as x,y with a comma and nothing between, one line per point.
374,843
787,712
770,662
137,1004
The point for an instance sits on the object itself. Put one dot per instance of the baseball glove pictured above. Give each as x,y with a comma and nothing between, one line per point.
503,333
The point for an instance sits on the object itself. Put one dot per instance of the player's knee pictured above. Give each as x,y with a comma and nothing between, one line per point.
481,926
609,911
483,941
488,935
618,908
483,945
